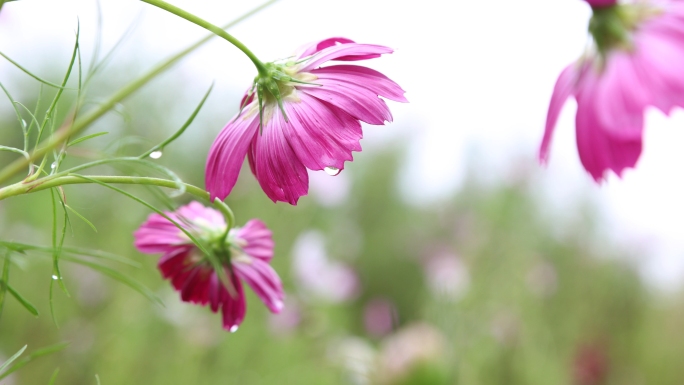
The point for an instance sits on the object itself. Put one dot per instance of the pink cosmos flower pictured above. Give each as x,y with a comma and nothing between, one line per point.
601,3
250,250
638,63
310,118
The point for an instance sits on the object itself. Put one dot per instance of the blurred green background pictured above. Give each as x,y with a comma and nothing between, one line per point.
487,286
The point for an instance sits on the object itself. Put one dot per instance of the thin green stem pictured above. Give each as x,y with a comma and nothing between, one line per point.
211,27
228,214
46,183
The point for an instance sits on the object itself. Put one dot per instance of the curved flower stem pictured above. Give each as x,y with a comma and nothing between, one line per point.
211,27
46,183
228,214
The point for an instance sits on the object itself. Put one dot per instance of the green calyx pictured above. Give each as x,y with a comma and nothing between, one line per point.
276,82
611,27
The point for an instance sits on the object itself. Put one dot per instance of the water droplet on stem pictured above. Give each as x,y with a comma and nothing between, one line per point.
155,154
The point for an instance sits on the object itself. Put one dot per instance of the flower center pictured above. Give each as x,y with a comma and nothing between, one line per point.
612,26
278,84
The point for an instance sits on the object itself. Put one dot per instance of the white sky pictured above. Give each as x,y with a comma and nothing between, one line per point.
478,74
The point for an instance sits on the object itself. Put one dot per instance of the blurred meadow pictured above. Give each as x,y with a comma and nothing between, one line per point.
487,284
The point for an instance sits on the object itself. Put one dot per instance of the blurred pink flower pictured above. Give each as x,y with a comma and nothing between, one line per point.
287,321
590,365
379,317
312,120
447,276
601,3
250,250
637,64
318,276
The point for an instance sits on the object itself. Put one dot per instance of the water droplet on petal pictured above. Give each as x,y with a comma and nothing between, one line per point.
53,165
233,328
155,154
279,305
55,277
332,170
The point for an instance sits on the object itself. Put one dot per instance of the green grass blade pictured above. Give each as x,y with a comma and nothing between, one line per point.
105,270
16,111
11,359
32,309
84,138
29,73
57,243
98,40
53,377
27,129
178,133
5,279
35,112
96,67
97,379
37,354
84,219
49,115
15,150
71,251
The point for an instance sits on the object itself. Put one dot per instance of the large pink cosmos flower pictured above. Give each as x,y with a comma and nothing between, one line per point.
250,250
601,3
638,63
309,119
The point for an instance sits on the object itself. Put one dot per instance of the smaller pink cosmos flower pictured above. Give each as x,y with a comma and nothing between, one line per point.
637,63
304,117
250,250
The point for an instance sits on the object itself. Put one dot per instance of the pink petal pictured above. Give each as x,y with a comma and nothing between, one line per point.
217,293
312,48
601,3
195,211
620,96
263,280
175,262
280,173
258,239
321,135
357,101
659,62
344,51
598,149
227,154
158,235
332,42
365,77
233,309
561,92
196,287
